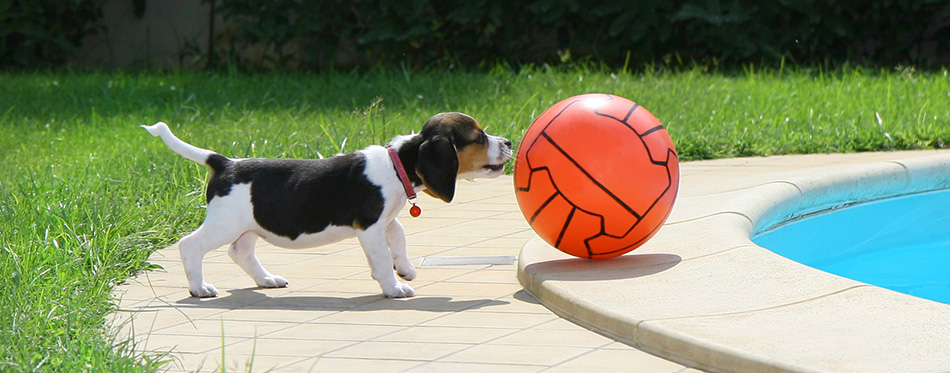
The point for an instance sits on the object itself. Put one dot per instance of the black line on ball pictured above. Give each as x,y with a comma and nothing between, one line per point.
545,204
638,242
625,122
669,186
591,177
531,172
652,130
629,113
535,141
564,229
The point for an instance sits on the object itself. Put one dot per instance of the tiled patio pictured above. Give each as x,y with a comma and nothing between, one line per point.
332,317
477,317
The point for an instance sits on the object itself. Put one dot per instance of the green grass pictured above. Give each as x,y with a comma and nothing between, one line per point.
86,195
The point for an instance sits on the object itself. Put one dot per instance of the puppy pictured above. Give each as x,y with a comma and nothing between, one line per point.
300,203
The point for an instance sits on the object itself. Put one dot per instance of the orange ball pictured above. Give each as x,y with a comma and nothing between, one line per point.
596,175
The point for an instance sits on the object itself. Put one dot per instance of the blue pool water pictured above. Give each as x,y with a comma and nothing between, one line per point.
899,243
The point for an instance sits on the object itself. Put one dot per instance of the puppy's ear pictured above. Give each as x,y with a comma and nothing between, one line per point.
438,166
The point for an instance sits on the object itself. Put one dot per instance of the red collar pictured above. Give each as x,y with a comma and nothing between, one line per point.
406,184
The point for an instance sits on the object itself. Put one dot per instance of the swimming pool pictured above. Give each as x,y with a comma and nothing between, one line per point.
900,243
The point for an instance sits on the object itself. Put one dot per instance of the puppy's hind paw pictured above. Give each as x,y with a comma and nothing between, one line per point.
408,274
401,291
273,281
404,268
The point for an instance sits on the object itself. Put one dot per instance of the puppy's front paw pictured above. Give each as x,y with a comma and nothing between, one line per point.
206,290
400,291
272,281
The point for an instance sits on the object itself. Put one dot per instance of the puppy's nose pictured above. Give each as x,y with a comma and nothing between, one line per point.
507,143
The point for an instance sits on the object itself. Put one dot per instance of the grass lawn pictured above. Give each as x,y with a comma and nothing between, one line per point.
86,195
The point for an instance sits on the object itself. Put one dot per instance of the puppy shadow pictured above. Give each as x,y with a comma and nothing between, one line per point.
622,267
257,299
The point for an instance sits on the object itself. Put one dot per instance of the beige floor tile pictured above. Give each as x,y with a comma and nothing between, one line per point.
145,287
191,362
630,360
150,278
230,328
228,298
445,366
452,212
469,289
218,257
493,204
238,357
313,252
522,234
438,334
443,241
480,249
254,363
165,257
250,363
305,365
365,285
442,273
274,257
288,348
497,275
316,269
189,344
352,257
381,317
226,281
558,324
523,355
616,346
475,230
547,337
316,301
162,316
521,302
333,332
398,350
442,304
417,252
263,313
491,319
510,243
350,365
431,224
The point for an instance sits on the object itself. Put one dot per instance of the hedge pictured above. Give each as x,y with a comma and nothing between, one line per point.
424,32
317,34
45,32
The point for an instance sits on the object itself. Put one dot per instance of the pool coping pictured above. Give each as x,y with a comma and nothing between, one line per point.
702,294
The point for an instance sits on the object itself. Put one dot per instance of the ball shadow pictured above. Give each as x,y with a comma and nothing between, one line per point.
622,267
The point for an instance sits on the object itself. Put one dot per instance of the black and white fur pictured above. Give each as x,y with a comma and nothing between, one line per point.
300,203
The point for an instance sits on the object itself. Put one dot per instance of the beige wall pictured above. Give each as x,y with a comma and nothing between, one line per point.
171,34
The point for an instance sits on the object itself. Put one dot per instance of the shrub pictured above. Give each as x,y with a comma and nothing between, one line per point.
425,32
44,32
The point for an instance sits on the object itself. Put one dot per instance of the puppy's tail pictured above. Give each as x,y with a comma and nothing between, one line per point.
193,153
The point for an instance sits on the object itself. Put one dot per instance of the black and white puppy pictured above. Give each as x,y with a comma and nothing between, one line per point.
300,203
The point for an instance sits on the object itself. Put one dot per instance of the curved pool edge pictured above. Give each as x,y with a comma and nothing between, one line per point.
701,293
841,186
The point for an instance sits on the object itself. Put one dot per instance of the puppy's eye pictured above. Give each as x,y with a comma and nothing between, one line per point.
481,139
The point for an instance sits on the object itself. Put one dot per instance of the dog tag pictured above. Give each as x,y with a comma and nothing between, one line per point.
415,211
